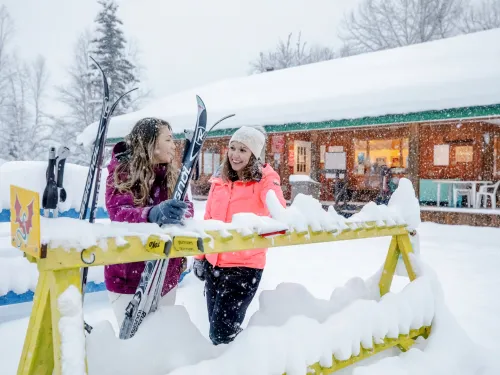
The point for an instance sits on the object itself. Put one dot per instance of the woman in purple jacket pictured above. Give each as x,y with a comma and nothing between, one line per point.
141,178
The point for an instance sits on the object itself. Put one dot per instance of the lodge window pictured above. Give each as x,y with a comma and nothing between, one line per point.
371,155
211,161
302,153
463,154
301,159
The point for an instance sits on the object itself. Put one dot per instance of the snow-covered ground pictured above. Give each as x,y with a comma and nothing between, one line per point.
300,281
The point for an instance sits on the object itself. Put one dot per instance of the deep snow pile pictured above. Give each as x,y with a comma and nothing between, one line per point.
31,175
291,330
69,304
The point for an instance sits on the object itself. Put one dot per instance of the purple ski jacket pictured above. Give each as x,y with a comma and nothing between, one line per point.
124,278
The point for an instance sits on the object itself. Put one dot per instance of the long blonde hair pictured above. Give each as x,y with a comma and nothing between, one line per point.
135,173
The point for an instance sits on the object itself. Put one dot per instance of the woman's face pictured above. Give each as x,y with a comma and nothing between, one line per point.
238,155
165,146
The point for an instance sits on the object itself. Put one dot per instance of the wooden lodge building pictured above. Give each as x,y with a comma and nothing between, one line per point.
407,148
427,112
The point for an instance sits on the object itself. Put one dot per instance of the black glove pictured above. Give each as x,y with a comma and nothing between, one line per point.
168,212
199,269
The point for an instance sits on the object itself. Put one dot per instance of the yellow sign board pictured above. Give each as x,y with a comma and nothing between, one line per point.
25,220
190,245
156,245
186,245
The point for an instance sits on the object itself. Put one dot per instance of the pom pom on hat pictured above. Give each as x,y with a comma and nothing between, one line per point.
250,137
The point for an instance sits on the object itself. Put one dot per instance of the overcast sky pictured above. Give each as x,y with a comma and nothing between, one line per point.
183,43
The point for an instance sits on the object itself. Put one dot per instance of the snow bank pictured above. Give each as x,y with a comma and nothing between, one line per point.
31,175
72,334
167,340
406,204
20,276
278,306
448,73
448,350
291,330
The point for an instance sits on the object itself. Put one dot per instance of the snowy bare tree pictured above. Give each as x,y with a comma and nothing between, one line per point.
288,54
382,24
15,113
83,99
142,95
26,130
6,33
38,79
482,16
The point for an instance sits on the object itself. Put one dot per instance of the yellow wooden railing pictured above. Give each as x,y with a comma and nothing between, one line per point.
59,269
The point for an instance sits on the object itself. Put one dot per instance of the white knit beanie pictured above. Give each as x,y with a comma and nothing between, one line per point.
250,137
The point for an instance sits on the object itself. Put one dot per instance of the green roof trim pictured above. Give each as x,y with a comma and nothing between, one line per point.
434,115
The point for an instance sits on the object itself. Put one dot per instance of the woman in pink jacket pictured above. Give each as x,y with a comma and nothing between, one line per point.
232,279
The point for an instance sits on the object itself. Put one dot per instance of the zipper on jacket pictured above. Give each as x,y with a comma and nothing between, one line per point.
227,211
230,194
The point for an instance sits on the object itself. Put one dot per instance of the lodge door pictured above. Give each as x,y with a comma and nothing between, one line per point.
302,163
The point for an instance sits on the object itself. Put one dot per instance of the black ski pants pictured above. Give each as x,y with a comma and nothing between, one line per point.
229,291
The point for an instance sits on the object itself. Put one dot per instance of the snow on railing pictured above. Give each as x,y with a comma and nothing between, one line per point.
304,213
71,333
291,331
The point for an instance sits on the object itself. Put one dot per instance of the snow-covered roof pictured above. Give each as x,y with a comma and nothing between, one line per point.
458,72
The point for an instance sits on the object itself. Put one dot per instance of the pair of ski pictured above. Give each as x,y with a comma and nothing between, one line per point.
54,191
94,173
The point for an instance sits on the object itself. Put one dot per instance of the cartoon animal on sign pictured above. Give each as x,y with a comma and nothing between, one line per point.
25,221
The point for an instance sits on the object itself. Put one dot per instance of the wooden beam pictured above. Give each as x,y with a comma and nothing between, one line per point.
413,167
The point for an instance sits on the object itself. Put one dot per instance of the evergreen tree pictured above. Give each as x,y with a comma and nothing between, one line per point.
84,93
109,49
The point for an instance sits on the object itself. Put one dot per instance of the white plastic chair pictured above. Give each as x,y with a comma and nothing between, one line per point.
485,193
464,192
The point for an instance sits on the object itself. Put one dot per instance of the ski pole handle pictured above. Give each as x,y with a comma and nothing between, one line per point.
62,155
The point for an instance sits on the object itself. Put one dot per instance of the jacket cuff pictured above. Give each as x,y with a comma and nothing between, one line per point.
145,213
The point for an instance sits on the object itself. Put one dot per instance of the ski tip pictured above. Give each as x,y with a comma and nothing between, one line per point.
95,62
201,105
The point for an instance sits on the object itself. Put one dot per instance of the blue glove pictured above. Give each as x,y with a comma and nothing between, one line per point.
168,212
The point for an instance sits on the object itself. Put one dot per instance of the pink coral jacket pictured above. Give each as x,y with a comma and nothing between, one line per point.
227,198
